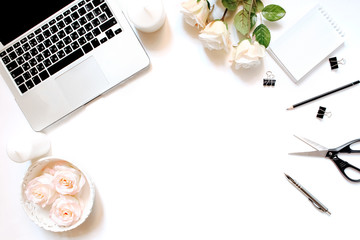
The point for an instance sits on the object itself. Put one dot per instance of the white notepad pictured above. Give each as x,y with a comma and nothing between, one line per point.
307,43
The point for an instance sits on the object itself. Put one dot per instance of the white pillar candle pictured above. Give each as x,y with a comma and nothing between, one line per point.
147,15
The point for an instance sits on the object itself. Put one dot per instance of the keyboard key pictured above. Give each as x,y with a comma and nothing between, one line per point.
52,22
27,56
46,53
54,58
67,40
89,7
117,31
47,43
75,16
81,31
61,54
89,36
11,66
33,71
29,84
66,61
53,49
27,75
47,62
12,55
89,16
40,47
2,54
36,80
96,32
82,11
95,43
17,72
20,60
82,41
98,2
40,67
22,88
26,47
74,36
31,35
109,33
60,24
39,58
26,66
108,24
88,27
68,49
40,38
103,18
47,33
67,12
32,62
54,29
45,26
33,42
103,40
38,31
75,45
34,52
44,75
60,45
106,9
75,25
87,48
19,80
97,12
74,8
6,59
67,20
68,29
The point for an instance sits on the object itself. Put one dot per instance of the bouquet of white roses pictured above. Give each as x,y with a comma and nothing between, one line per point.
215,34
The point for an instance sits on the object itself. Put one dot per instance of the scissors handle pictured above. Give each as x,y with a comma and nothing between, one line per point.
343,165
346,148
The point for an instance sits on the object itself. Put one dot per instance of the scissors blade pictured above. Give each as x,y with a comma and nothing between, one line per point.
321,153
312,144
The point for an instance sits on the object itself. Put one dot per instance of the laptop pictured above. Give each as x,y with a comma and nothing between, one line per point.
56,56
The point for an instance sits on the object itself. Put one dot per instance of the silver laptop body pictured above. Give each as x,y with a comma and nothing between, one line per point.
34,71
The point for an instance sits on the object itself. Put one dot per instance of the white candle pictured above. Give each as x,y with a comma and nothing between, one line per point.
147,15
27,146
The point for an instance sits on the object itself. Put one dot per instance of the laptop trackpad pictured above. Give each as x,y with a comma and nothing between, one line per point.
83,82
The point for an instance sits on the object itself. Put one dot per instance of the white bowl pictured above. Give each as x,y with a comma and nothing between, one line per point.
40,215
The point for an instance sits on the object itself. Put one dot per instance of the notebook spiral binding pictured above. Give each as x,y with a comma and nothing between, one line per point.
331,21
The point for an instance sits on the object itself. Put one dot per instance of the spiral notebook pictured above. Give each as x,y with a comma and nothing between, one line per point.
301,48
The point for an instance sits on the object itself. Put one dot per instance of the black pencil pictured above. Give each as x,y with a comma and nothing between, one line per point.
323,95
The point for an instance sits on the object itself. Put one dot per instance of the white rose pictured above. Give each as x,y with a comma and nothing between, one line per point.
215,36
67,180
196,12
41,190
66,211
247,55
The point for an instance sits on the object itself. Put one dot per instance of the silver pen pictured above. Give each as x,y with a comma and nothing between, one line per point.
311,198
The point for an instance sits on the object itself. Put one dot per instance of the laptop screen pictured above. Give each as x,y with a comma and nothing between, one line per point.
17,17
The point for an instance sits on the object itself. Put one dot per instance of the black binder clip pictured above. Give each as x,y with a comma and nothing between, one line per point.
322,112
334,63
269,81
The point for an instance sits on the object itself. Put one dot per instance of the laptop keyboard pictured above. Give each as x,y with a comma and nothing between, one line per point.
59,42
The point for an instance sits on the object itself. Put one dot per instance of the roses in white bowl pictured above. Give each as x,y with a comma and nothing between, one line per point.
56,195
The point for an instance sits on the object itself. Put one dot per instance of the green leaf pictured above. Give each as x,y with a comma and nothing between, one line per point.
230,4
242,22
273,12
253,20
259,6
250,4
262,35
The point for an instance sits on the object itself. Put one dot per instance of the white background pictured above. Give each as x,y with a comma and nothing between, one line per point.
193,149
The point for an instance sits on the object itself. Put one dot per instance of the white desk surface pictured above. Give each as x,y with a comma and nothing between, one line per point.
193,149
